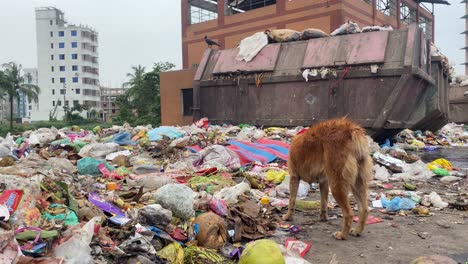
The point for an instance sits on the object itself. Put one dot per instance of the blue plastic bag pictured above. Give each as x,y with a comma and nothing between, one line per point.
123,139
158,133
397,204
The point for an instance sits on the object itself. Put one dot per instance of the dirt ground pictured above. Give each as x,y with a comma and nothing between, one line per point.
399,239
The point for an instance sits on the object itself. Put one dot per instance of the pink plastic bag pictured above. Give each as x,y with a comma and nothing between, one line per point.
219,207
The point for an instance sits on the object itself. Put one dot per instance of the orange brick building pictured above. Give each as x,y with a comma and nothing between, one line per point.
229,21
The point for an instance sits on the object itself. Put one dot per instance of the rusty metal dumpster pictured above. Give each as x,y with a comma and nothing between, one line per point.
271,91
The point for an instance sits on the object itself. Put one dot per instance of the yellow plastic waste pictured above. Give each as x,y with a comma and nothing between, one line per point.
275,176
417,143
263,251
173,252
440,163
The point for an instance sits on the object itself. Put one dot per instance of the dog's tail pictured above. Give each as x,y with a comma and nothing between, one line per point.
361,148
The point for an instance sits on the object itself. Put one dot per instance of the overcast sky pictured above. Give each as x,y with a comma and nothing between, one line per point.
146,31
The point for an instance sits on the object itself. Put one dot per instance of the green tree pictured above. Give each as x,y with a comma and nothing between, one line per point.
143,95
13,84
135,77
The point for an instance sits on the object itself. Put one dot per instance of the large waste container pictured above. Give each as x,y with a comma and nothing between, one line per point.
378,79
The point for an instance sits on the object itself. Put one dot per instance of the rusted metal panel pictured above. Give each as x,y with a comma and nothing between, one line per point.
202,65
264,61
366,48
321,52
290,58
353,49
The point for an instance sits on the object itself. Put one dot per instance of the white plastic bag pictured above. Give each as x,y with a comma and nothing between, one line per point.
230,194
178,198
76,249
283,189
381,173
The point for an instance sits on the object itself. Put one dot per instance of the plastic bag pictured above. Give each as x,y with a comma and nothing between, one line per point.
381,173
170,132
436,201
59,164
98,150
275,176
230,194
149,182
377,28
173,253
249,47
397,204
283,189
178,198
76,249
89,166
219,207
311,33
440,163
349,27
262,251
123,139
219,157
154,215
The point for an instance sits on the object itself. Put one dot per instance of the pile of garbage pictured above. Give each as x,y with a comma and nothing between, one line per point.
192,194
450,135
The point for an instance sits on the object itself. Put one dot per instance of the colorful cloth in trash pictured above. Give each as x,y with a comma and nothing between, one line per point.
263,150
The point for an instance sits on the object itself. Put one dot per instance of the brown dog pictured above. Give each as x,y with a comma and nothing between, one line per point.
334,153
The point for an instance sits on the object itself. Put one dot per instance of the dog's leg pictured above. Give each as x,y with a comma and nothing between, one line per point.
323,199
360,194
341,196
293,187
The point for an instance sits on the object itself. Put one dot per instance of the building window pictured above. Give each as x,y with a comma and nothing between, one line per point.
76,102
53,103
75,79
51,45
30,107
74,56
74,67
62,68
113,104
51,22
105,105
62,91
113,111
59,103
74,44
61,33
61,56
73,33
187,101
53,80
61,45
51,34
51,57
62,79
66,102
51,68
77,91
53,91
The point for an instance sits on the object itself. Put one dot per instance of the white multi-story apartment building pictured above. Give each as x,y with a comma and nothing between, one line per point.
68,69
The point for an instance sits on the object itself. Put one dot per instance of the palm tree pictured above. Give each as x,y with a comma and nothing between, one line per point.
136,77
13,85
